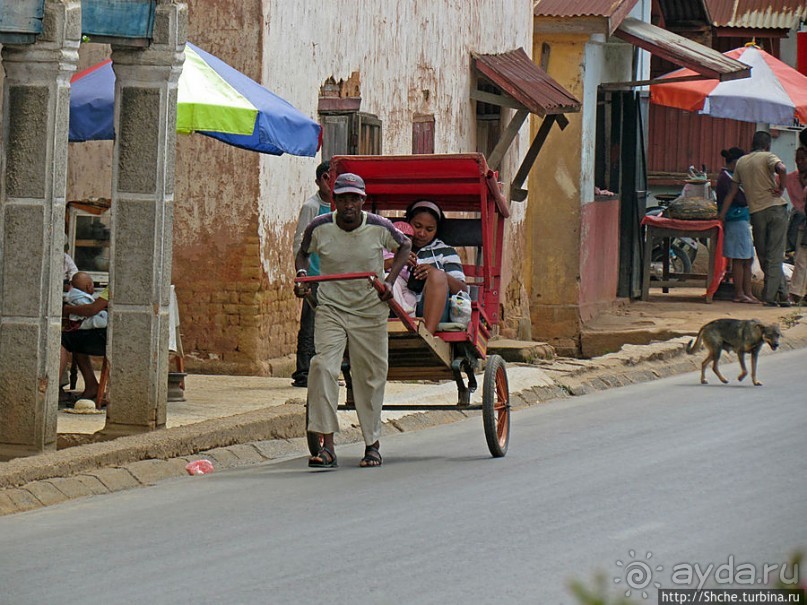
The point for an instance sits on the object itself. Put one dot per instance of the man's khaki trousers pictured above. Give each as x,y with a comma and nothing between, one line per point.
366,340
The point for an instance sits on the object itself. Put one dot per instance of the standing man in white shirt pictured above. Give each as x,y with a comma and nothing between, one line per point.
319,203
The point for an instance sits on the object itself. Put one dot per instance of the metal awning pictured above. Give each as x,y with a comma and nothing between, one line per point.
518,77
528,89
701,59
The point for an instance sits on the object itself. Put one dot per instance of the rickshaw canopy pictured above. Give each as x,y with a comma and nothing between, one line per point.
457,182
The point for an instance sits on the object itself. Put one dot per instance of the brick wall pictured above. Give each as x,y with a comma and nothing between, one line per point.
241,326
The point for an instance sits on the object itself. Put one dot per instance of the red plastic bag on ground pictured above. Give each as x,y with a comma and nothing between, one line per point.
199,467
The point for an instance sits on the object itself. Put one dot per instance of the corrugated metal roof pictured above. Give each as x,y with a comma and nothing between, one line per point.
610,12
756,14
517,76
580,8
681,51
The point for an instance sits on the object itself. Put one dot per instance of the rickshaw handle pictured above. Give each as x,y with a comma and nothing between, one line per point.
374,281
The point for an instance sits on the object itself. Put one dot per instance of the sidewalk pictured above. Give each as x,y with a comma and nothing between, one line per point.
244,420
682,312
663,317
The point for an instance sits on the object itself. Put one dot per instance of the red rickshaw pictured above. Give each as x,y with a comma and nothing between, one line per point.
475,209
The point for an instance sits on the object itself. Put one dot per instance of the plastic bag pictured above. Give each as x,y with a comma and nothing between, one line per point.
199,467
459,308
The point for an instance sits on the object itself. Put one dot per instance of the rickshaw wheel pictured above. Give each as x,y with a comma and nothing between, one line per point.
496,406
314,439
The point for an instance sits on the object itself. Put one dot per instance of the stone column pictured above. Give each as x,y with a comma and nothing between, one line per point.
142,223
33,169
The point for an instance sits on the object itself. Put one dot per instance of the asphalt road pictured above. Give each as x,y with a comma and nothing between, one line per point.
676,473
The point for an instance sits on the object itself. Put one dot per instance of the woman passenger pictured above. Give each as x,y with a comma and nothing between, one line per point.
436,266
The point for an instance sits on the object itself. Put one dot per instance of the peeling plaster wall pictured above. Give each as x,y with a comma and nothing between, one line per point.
412,58
228,304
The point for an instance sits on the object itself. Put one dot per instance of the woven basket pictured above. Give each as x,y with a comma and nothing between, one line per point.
692,209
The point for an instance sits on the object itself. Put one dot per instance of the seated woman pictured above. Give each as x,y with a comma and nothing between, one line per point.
435,265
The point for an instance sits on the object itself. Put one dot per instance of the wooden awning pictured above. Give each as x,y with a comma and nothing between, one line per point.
684,52
528,89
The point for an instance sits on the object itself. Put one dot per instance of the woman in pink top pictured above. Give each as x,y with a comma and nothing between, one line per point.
796,185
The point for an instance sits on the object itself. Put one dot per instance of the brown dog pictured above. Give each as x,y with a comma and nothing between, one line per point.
740,335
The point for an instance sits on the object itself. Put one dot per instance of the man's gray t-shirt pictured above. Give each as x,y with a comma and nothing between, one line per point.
357,251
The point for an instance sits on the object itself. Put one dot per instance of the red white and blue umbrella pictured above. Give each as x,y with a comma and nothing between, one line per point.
213,99
775,93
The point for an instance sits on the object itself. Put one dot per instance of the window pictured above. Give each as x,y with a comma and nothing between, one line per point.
350,133
423,134
367,134
608,138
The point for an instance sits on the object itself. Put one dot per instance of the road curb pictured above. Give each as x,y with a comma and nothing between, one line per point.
272,433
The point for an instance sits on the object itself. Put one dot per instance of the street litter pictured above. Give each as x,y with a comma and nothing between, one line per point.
199,467
84,406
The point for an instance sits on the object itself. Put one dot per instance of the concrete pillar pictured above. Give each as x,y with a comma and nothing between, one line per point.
33,169
142,223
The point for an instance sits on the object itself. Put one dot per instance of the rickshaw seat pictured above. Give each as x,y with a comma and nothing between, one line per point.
464,233
460,232
450,326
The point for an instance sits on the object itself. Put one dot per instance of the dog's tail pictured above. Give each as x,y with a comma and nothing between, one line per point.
694,345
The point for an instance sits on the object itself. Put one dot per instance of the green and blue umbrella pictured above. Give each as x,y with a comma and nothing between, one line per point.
213,99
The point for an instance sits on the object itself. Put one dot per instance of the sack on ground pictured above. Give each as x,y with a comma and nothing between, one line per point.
459,308
692,209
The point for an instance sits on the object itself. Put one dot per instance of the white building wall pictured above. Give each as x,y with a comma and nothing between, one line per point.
592,77
413,56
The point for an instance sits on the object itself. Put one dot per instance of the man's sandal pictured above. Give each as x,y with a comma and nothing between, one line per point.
372,457
325,458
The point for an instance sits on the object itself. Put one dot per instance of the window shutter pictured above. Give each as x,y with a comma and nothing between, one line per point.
423,134
334,135
366,134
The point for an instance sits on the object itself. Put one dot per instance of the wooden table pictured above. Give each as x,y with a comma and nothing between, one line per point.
660,228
